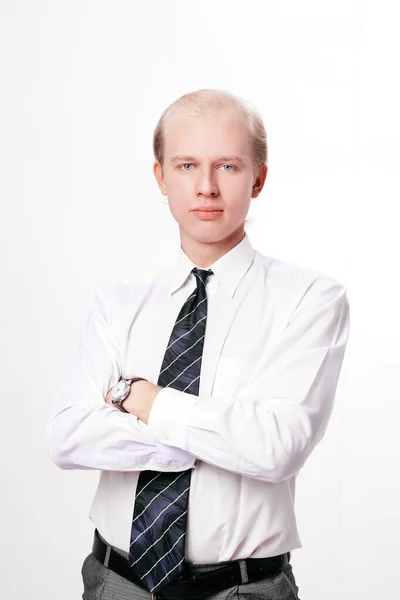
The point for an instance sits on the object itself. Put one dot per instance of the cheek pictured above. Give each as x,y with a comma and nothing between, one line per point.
237,188
175,206
178,188
178,207
239,200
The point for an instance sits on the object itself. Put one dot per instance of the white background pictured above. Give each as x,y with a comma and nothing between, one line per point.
82,84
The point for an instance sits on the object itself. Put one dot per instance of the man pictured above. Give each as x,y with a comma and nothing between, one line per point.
200,391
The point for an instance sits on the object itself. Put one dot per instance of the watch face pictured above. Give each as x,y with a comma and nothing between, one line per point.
119,389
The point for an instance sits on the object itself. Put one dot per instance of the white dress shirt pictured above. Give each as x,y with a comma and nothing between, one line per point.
275,340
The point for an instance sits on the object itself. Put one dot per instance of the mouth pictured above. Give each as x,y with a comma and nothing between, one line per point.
207,214
207,210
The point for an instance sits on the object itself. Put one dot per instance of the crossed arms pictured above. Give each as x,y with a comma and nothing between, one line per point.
266,432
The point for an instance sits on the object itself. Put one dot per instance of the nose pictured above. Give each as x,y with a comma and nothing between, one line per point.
206,185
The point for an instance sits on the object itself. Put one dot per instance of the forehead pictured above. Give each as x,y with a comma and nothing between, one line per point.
217,132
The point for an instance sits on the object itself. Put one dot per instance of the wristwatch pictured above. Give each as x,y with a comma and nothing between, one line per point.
120,391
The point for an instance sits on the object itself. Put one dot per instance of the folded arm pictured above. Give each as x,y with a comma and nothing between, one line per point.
271,427
85,432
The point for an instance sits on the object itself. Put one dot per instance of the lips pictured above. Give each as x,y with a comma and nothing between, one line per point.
207,214
207,209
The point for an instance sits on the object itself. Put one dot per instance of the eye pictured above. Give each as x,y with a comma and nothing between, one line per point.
185,165
231,168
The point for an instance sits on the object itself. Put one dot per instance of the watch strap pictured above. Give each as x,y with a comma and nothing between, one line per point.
129,381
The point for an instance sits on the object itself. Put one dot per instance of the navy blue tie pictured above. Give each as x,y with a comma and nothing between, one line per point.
157,548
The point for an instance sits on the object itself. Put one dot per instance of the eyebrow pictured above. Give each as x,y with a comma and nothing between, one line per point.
232,158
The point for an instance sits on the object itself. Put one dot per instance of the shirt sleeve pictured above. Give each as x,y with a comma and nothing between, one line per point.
272,425
86,433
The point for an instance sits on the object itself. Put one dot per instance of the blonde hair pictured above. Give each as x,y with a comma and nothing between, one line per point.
200,101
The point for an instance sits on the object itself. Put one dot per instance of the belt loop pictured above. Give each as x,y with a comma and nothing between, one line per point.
107,556
243,571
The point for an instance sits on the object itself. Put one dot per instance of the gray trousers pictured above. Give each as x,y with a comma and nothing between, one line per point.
100,583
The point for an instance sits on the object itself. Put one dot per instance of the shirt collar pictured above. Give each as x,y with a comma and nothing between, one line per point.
228,269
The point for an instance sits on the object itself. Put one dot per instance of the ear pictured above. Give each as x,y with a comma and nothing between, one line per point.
259,181
158,173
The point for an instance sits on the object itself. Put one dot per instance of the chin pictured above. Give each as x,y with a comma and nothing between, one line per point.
206,234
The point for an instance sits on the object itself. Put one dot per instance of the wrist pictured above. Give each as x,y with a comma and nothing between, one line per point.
140,400
133,401
121,392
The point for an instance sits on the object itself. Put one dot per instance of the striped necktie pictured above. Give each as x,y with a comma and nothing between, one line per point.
157,543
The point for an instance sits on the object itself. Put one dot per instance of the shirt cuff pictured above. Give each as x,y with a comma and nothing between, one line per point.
169,415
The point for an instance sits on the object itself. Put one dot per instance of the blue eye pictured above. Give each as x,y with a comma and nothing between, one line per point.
230,167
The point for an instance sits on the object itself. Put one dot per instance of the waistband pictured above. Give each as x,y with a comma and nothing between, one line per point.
195,581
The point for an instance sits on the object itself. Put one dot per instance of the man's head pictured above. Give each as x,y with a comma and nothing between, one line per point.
210,151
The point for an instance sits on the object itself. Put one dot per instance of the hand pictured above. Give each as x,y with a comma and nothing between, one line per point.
140,399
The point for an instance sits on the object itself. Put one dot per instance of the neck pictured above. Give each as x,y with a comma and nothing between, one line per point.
204,254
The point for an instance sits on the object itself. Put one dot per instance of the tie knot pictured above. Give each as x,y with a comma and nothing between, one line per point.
201,275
